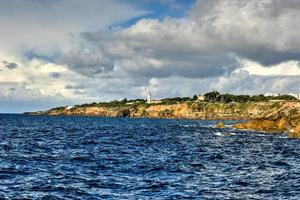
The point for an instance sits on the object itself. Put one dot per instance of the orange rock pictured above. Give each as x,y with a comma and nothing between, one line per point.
283,123
263,125
240,126
220,125
295,132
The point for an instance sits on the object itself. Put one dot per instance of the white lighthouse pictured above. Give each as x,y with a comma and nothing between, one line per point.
148,97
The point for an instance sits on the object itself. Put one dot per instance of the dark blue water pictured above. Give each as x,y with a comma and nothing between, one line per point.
117,158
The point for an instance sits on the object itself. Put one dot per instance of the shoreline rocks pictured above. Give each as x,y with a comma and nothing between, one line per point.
273,117
220,125
284,120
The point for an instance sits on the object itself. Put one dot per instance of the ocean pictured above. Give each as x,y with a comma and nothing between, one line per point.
56,157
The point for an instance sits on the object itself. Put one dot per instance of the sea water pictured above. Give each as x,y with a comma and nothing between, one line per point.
47,157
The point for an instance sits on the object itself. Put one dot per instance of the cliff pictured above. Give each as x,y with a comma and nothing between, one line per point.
283,119
267,116
187,110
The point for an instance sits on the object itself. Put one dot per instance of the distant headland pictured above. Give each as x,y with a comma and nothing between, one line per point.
272,113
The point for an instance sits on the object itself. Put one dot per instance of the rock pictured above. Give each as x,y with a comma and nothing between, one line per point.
295,133
123,113
220,125
283,124
240,126
287,122
264,125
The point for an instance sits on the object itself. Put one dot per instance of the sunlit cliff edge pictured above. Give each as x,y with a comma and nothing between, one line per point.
286,118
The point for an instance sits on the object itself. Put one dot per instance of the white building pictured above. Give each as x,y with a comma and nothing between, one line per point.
150,100
149,97
276,95
269,94
69,107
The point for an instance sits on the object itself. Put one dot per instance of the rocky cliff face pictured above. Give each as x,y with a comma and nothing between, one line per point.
283,119
263,116
201,110
189,110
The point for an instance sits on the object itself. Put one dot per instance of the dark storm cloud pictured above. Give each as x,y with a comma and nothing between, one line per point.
79,92
269,57
88,63
76,86
49,58
264,31
55,74
10,65
78,89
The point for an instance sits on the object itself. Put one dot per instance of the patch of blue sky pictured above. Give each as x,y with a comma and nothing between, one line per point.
158,9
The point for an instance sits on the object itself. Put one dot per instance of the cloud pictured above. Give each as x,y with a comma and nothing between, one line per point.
209,42
234,46
290,68
17,90
55,74
10,65
152,48
36,75
87,62
76,86
47,27
261,30
36,33
18,97
79,92
236,82
244,83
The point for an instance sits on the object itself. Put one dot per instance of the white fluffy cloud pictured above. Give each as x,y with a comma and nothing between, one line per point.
288,68
48,26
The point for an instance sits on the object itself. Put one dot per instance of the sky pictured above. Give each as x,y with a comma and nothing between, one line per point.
67,52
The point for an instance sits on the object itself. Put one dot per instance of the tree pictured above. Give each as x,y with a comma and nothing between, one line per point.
227,98
124,101
242,98
212,96
260,97
195,97
285,97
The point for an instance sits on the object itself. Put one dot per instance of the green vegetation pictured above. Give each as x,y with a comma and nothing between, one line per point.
227,98
175,100
144,113
213,97
58,108
114,103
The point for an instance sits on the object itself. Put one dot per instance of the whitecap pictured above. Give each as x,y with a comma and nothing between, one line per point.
218,134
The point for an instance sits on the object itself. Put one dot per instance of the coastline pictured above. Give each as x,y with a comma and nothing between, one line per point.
185,110
273,117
